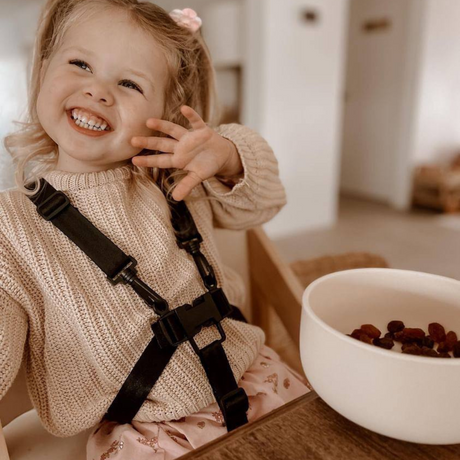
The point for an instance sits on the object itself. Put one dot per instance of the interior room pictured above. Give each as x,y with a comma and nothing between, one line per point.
359,102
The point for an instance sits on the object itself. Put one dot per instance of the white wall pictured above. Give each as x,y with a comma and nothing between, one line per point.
293,86
293,96
437,136
17,29
403,104
373,95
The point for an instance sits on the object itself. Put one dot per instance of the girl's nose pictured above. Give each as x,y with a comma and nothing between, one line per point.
100,94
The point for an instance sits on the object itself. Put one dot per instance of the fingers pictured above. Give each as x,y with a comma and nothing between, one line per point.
195,120
162,160
167,127
174,130
154,143
186,185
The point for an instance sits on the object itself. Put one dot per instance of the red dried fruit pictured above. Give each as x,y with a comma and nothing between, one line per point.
395,326
370,331
412,350
399,336
428,342
413,340
457,350
386,343
413,333
359,334
410,344
410,335
437,332
451,340
443,347
356,333
429,352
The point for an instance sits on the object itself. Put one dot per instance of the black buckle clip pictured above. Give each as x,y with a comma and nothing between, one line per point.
128,275
188,321
53,205
234,403
191,245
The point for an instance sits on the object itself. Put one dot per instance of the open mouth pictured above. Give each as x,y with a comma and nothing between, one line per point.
86,120
92,126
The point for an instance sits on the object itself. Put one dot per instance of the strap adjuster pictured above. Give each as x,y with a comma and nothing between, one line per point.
234,403
53,205
123,274
184,322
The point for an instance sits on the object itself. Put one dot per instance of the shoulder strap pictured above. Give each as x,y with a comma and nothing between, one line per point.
54,206
173,327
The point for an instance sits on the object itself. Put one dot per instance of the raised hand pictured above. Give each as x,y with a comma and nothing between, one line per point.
200,151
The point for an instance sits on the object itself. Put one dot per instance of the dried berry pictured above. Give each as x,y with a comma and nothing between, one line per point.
413,333
399,336
443,347
457,350
437,332
359,334
412,350
428,342
409,344
386,343
395,326
451,340
429,352
413,340
410,335
370,331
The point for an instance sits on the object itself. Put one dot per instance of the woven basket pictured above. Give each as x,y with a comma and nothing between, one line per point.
309,270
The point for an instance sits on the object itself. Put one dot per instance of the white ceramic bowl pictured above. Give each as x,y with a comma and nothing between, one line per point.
407,397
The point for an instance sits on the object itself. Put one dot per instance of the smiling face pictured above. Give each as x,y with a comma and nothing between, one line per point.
110,67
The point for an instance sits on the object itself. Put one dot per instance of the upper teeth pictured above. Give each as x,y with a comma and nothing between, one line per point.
85,120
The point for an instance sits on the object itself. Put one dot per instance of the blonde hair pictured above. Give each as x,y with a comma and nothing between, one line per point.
191,83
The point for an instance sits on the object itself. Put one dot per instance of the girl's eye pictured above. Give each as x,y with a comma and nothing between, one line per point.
133,85
79,63
83,64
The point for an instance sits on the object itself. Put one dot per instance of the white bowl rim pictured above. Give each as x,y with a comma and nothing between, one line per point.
365,346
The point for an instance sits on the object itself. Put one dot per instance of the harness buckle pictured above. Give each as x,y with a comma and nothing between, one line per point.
184,322
53,205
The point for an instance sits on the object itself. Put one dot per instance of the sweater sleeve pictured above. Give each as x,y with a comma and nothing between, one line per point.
256,195
13,319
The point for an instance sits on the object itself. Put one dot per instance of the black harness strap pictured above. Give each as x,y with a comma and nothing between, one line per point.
139,382
55,206
232,400
173,327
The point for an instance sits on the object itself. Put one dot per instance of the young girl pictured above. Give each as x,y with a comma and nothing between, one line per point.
120,97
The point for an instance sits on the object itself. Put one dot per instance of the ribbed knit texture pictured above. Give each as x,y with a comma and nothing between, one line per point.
79,335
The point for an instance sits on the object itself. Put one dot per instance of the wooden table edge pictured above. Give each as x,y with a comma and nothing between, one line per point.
243,430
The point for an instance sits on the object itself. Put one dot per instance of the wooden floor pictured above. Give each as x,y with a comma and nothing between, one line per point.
420,240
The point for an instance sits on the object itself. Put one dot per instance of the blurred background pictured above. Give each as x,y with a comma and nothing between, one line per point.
358,98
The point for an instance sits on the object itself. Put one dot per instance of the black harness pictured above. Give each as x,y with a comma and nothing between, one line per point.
174,326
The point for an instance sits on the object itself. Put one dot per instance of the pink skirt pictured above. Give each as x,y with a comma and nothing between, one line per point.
269,383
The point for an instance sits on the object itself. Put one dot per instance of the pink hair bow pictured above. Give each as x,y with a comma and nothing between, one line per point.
187,18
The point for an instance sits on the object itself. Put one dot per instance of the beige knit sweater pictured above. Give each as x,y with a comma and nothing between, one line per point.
79,335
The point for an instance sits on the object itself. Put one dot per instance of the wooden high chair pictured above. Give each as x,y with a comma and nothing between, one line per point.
274,291
267,277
